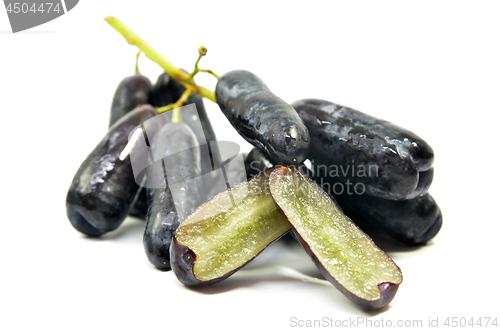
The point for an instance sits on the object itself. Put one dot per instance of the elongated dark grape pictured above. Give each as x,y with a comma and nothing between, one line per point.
414,221
177,169
389,161
167,91
132,91
262,118
208,132
103,189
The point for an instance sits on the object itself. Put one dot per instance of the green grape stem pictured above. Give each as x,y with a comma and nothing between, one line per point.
176,116
180,76
202,51
137,72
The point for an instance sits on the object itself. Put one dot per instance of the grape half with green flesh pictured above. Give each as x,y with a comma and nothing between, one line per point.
226,233
345,255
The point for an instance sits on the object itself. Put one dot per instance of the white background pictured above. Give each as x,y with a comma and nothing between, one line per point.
430,66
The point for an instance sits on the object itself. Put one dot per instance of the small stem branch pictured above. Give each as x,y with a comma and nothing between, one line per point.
176,115
202,51
137,72
177,105
182,100
174,72
164,109
210,72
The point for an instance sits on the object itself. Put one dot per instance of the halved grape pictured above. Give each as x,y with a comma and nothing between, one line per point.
345,255
226,233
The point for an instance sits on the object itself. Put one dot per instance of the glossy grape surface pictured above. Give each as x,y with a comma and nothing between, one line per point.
256,162
167,91
103,188
132,91
262,118
391,162
178,170
414,221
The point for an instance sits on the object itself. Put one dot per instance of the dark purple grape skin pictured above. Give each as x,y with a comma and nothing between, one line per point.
208,132
262,118
167,91
256,162
169,205
161,223
412,222
140,206
131,92
398,160
104,187
183,259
